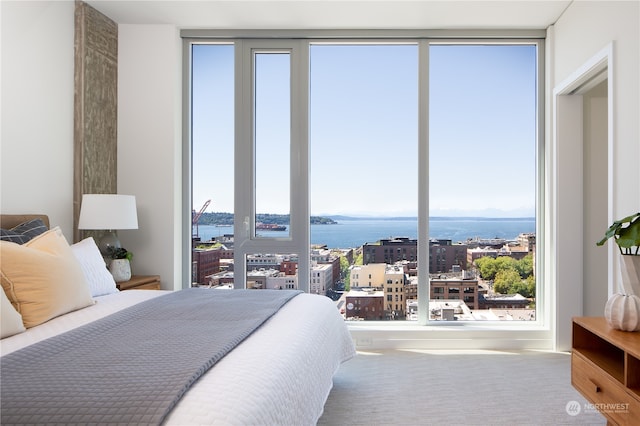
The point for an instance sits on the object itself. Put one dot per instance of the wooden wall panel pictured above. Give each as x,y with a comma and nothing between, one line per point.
95,107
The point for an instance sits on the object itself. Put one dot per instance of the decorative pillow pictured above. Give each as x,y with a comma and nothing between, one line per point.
98,277
24,232
42,278
11,320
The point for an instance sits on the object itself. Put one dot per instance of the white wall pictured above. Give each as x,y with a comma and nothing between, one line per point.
36,146
37,127
585,31
149,145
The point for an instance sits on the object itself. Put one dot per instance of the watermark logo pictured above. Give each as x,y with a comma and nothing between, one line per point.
609,407
573,408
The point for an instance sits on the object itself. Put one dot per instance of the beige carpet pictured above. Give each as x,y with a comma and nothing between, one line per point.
419,387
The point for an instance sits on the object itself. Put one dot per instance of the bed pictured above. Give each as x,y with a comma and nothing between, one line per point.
280,374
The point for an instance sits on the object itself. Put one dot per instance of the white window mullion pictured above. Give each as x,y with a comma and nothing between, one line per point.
243,161
423,182
300,226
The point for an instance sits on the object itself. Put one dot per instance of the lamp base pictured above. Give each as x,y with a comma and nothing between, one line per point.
108,242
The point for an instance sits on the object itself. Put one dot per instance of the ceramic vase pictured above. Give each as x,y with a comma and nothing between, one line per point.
120,269
622,310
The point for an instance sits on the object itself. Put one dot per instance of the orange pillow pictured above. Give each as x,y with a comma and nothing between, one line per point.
42,278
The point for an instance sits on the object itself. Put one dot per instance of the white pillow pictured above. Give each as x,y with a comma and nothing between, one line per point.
100,280
11,320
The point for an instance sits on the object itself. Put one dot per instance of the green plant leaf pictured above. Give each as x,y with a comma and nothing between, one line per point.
624,236
630,236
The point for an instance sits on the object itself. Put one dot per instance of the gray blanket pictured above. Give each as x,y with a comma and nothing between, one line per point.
131,367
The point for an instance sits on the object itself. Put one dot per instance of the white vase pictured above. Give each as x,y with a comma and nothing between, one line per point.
622,310
120,269
630,269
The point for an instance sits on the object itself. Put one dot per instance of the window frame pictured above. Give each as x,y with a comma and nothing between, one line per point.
298,240
537,334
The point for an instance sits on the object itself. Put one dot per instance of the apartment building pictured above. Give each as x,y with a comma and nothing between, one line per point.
321,278
371,275
205,262
443,254
365,303
390,250
394,294
456,289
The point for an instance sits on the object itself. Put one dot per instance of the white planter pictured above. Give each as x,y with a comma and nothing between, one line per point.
622,310
120,269
630,269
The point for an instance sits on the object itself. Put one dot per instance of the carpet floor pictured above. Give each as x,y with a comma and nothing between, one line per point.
426,387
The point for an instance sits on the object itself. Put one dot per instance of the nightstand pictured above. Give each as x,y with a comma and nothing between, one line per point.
140,282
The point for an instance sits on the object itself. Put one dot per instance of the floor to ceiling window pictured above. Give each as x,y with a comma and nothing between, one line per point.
400,178
482,180
212,157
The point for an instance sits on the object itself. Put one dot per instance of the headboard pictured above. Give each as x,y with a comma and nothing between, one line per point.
8,221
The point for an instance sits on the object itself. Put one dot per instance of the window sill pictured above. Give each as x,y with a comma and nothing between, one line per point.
463,335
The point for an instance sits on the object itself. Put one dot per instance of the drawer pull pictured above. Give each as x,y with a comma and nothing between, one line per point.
596,388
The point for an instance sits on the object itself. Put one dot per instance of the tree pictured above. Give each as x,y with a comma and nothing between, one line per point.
505,262
487,267
525,266
505,280
527,287
344,266
344,272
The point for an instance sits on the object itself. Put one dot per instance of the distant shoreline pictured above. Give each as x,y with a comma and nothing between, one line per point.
436,218
225,218
353,231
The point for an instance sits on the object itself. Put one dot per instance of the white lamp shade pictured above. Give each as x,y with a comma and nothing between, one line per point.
108,211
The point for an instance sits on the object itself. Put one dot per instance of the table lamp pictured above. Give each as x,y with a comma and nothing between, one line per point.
108,212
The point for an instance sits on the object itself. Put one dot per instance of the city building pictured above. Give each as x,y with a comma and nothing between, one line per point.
390,251
321,278
456,289
394,293
322,255
205,262
257,278
371,275
264,261
474,253
367,304
282,282
503,301
289,267
443,255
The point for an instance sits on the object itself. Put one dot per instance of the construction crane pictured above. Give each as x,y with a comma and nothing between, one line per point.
196,217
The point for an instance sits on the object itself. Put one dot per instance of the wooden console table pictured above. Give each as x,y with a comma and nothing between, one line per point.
605,369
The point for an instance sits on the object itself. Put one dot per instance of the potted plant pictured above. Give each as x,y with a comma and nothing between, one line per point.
622,310
120,264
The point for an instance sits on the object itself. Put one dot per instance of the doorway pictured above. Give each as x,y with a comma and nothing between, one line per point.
581,156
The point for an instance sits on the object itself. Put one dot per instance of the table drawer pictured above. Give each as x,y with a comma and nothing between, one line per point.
607,394
149,286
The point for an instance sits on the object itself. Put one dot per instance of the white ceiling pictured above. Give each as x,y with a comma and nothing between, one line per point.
336,14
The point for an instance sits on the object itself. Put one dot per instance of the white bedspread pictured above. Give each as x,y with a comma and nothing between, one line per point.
280,375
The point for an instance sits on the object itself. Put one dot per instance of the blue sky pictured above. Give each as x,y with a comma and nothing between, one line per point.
363,130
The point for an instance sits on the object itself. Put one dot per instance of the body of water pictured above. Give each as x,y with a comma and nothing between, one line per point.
355,232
